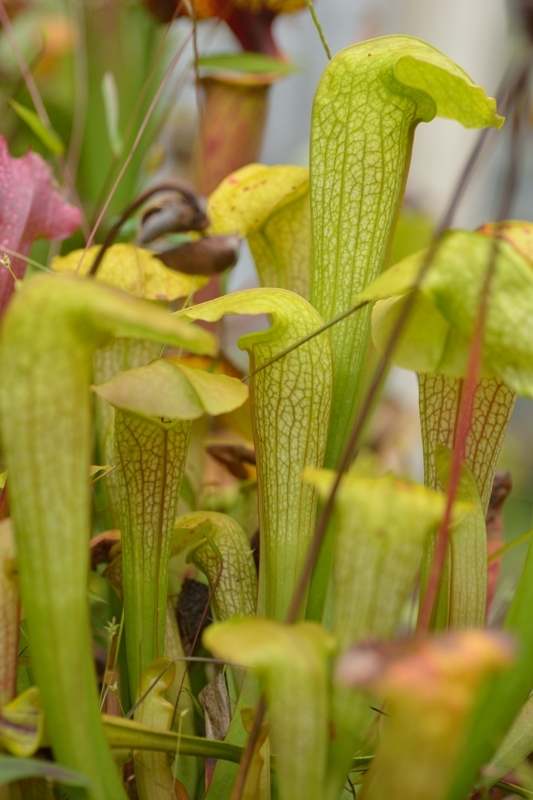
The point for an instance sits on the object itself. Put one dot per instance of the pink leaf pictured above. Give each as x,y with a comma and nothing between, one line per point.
31,207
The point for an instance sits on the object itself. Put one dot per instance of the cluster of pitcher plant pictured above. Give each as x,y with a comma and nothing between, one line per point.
308,628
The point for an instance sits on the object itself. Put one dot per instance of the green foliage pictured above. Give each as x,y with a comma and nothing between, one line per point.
443,319
47,135
503,697
49,336
429,691
223,554
370,99
382,525
320,239
290,413
155,406
292,666
153,777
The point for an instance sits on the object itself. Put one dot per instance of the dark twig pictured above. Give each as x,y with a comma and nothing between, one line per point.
182,187
138,138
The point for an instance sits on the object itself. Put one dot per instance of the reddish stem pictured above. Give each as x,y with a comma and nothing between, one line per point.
464,423
465,413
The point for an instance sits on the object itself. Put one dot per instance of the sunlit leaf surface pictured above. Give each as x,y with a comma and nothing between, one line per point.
269,206
367,106
132,269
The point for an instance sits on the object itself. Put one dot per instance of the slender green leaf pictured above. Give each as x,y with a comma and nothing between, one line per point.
95,469
46,134
515,748
17,769
95,598
126,734
502,699
112,112
497,554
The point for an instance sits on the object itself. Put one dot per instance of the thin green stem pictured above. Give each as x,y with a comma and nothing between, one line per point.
307,338
519,791
510,545
319,28
180,186
33,263
114,648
